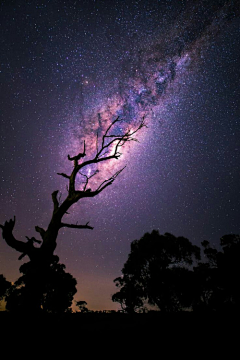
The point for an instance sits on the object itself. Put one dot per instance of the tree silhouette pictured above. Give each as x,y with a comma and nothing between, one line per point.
131,294
57,289
217,280
82,305
157,271
41,256
4,286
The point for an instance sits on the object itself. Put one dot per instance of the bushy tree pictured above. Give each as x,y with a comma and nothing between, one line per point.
217,279
130,295
82,305
157,271
4,286
54,290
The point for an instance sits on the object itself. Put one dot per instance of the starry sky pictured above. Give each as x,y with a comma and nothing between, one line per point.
67,68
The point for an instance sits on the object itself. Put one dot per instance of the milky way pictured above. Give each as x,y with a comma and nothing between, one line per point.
68,69
149,77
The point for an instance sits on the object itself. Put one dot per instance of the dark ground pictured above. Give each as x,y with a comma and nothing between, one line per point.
184,325
121,336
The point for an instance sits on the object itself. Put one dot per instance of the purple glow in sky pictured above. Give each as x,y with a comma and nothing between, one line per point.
68,69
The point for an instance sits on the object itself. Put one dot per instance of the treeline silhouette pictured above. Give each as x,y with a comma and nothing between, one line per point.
172,274
52,291
162,272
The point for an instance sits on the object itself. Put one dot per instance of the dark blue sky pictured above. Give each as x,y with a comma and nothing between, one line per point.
65,62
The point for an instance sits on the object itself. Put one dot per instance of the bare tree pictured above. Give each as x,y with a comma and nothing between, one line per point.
107,148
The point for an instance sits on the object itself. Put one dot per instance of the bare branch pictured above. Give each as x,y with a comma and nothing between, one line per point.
88,178
7,234
79,156
102,154
41,231
33,239
108,129
118,140
9,225
76,226
86,182
55,200
108,182
107,148
64,175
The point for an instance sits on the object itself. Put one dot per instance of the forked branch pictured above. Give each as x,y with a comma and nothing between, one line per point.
87,179
107,148
79,156
117,140
110,145
108,182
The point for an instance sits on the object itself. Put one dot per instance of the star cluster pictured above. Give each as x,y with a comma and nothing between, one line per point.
68,69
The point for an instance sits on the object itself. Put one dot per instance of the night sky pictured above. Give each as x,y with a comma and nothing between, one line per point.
66,67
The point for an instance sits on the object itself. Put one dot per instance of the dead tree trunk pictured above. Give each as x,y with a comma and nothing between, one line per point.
41,256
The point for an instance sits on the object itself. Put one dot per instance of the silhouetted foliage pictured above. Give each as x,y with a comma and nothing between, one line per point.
217,280
4,286
130,296
82,306
166,271
54,293
157,272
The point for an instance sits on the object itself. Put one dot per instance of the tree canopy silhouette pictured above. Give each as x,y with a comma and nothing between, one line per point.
216,279
167,271
57,289
157,272
4,286
40,251
82,305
